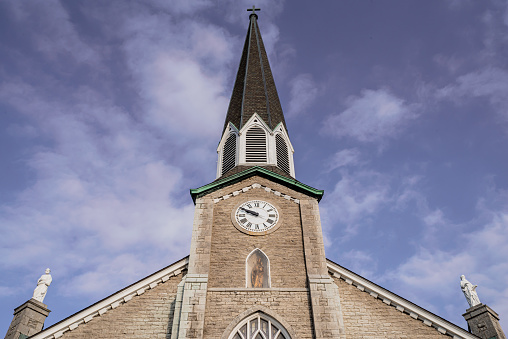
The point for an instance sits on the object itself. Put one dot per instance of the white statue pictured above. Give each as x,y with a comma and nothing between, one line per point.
42,286
469,291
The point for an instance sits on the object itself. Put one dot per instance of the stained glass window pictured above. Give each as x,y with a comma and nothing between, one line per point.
259,326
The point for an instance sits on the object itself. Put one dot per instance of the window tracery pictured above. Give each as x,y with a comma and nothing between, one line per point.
259,326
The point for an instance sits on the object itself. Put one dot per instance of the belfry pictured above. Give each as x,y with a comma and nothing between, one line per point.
257,267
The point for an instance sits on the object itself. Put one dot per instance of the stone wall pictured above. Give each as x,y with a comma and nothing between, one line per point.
149,315
227,296
230,247
368,317
291,306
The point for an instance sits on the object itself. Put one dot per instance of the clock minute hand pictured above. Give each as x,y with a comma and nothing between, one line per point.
256,214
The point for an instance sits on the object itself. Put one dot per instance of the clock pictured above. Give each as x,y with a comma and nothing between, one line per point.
257,217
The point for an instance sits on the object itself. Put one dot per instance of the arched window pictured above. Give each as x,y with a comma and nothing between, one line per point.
257,270
229,153
259,326
255,150
282,154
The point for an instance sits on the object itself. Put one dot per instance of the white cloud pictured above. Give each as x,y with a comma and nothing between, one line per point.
345,157
108,193
373,117
355,198
303,93
54,35
434,218
100,189
360,262
490,83
480,256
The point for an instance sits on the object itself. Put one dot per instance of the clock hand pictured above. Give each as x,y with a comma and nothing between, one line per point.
256,214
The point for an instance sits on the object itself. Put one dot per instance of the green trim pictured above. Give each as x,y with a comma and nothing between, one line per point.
292,183
22,336
277,126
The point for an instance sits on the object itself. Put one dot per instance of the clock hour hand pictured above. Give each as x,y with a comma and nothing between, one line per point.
256,214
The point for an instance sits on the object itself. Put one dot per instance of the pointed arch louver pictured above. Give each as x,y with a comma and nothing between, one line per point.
229,153
282,154
255,146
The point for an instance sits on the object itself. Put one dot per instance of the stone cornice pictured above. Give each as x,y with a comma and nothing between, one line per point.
399,303
113,301
245,189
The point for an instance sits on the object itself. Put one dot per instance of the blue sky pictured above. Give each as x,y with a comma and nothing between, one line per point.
111,111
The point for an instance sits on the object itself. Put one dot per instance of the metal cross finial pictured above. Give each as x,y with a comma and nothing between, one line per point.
253,10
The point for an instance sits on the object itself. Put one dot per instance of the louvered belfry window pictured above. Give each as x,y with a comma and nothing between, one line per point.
256,145
282,154
229,153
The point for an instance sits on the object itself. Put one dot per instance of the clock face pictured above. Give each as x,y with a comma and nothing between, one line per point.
256,216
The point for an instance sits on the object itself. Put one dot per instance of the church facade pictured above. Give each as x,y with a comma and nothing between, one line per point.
257,267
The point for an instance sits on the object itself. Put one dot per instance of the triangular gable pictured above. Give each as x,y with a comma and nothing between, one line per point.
113,301
391,299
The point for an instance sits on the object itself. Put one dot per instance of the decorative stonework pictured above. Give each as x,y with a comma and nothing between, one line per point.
400,304
112,302
245,189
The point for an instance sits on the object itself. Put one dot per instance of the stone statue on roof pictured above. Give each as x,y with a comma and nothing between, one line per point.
42,286
469,291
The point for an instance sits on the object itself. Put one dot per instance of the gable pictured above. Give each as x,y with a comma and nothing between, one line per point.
141,310
371,311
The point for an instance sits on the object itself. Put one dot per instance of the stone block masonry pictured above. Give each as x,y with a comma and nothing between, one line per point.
368,317
28,319
149,315
484,322
292,306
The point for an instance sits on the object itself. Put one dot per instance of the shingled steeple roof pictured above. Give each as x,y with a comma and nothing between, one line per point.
254,90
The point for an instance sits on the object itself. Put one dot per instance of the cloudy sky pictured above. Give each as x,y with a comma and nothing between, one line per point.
110,111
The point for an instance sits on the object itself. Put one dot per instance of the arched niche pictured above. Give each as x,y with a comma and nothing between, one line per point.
257,270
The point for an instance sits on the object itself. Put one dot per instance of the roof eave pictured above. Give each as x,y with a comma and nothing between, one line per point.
256,170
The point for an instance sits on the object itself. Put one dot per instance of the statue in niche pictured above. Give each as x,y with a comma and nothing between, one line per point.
42,286
469,291
257,274
258,270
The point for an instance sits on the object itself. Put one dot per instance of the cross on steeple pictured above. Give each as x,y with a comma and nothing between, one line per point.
253,10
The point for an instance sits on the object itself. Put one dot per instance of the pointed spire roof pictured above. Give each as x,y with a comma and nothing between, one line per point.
254,90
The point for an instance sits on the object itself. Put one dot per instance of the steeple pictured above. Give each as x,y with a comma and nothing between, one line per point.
255,132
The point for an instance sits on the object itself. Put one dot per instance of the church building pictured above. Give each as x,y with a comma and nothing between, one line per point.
257,267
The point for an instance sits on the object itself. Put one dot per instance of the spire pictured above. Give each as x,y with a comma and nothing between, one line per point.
255,132
254,90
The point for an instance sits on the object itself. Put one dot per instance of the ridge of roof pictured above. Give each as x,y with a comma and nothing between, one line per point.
405,306
254,90
112,301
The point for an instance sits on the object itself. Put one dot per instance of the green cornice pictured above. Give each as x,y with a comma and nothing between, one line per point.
256,170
